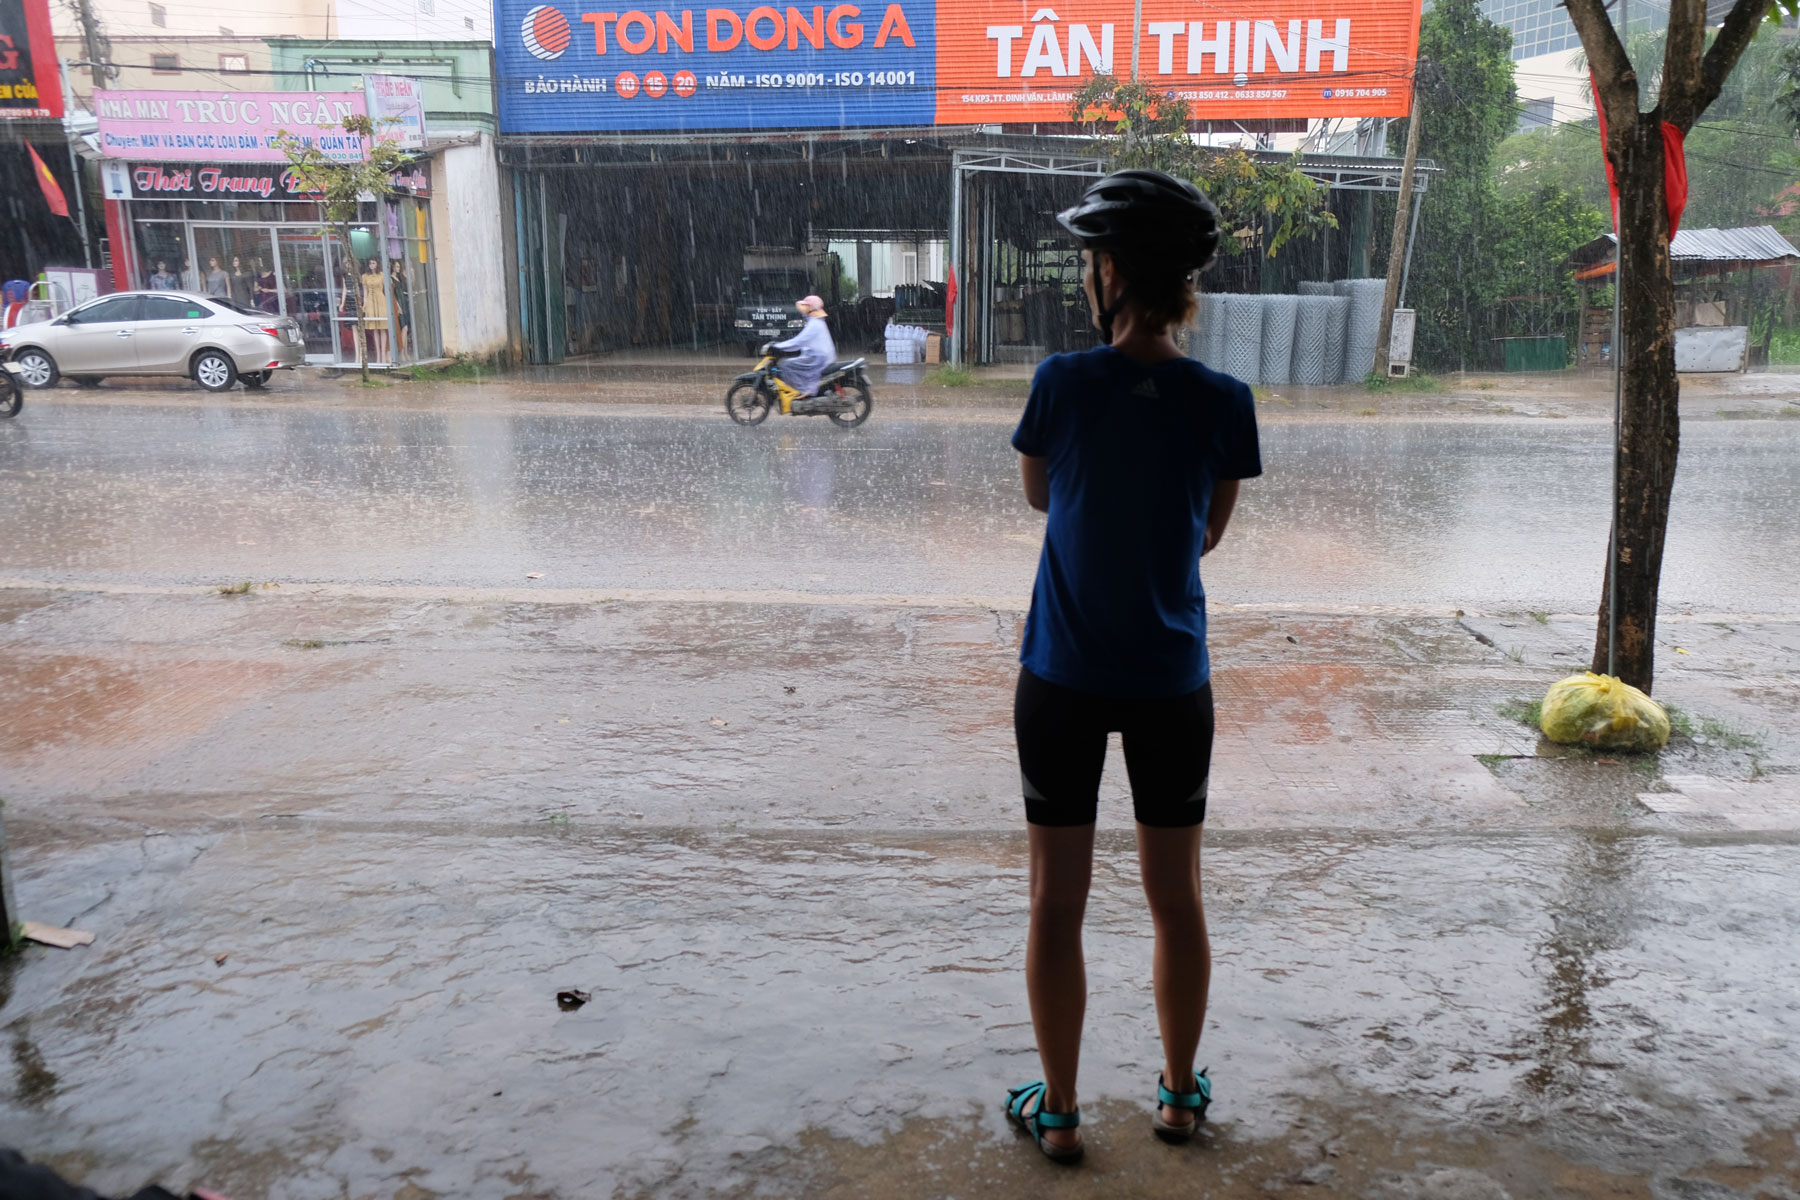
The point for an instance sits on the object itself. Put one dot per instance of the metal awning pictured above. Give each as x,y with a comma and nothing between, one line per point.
1731,249
1029,154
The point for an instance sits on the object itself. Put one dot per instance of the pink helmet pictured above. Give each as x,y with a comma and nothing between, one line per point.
811,302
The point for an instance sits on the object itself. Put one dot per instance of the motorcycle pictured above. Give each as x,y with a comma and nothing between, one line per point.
843,393
12,394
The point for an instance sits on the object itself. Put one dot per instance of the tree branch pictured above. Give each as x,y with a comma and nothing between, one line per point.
1734,38
1681,63
1613,75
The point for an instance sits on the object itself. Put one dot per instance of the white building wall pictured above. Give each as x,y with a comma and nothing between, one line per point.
415,20
471,270
1558,76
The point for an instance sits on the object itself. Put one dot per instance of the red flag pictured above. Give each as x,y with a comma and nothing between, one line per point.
950,303
1675,186
53,193
1675,179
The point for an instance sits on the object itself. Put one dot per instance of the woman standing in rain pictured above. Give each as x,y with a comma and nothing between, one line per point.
1135,452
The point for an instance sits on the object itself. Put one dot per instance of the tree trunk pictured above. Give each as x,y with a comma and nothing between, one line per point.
1650,419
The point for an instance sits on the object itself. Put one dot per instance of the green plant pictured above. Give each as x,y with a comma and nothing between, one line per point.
305,643
1542,618
1525,712
1261,205
235,589
1418,381
952,375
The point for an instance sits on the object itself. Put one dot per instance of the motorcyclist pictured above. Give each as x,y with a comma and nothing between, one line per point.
812,348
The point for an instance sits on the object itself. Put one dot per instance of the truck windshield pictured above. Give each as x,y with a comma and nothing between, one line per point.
773,287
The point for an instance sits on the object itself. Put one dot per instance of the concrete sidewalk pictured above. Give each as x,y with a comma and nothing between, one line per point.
341,850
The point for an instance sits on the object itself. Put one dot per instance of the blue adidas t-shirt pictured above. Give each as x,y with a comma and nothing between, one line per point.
1133,452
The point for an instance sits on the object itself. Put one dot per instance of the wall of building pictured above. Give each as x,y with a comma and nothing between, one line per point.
1556,76
466,216
229,64
418,20
458,75
191,18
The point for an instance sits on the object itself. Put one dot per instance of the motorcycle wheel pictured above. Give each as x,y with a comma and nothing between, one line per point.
747,404
861,405
12,396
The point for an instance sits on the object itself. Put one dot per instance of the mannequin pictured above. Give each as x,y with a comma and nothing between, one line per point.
402,308
375,311
240,282
267,289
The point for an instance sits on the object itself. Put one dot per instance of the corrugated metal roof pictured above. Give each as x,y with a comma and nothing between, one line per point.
1752,243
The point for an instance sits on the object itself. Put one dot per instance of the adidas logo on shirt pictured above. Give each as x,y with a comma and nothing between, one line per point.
1147,388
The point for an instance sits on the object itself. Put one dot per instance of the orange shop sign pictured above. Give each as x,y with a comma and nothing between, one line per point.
1011,62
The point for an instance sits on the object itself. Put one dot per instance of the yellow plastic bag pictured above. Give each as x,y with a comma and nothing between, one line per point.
1605,712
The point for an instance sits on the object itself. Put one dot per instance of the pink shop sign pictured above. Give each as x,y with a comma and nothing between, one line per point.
225,126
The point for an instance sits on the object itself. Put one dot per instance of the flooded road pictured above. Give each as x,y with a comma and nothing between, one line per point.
739,765
1477,514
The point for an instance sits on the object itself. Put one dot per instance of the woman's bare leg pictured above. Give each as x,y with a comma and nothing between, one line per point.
1169,860
1062,866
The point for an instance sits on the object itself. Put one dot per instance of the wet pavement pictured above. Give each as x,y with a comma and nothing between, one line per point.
739,765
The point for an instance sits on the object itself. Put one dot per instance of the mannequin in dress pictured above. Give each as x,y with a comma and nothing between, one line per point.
402,307
267,289
240,282
375,312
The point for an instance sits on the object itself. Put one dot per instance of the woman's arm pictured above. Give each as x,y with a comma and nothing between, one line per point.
1036,478
1218,514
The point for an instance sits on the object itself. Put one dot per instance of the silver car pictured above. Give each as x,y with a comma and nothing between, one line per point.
209,339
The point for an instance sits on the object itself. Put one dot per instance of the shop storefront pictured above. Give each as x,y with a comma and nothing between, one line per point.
264,248
247,232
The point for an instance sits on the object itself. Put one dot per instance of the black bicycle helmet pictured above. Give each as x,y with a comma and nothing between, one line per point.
1153,222
1143,213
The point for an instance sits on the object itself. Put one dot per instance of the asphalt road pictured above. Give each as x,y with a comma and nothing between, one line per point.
1495,515
738,763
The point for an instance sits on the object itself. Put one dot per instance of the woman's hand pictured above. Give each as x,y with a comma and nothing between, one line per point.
1035,475
1218,513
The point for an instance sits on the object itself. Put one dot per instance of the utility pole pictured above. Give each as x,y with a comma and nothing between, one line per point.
78,179
1390,298
1137,25
90,39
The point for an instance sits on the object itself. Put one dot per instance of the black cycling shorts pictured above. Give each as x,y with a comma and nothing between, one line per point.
1062,748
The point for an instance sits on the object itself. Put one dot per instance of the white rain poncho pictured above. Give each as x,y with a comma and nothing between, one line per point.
817,351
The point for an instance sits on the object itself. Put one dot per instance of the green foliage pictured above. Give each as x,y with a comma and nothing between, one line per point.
1468,106
1416,381
954,375
1741,154
1263,205
1525,712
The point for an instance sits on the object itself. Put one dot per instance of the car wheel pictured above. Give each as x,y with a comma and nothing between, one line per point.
36,368
214,372
89,381
256,379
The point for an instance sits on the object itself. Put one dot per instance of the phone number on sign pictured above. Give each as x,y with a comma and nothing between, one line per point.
810,79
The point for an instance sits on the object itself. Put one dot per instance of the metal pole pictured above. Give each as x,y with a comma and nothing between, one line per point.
1137,23
1618,352
1412,239
1612,541
87,250
956,256
1396,263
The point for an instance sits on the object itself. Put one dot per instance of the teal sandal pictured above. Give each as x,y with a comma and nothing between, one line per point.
1020,1098
1195,1101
